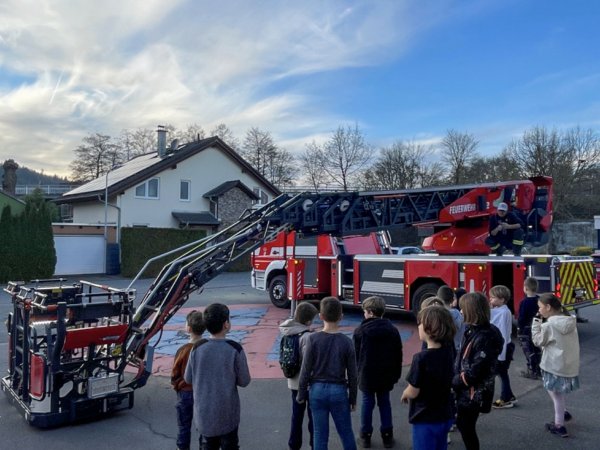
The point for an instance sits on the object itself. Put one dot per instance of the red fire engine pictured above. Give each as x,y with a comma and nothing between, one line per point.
69,345
459,216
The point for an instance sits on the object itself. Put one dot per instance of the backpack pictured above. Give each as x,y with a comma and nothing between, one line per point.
289,354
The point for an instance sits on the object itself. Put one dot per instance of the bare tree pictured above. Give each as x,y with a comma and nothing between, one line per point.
458,150
94,157
346,155
137,142
492,169
272,162
312,163
223,132
404,165
192,133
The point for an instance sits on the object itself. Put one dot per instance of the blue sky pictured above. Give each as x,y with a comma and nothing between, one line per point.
400,69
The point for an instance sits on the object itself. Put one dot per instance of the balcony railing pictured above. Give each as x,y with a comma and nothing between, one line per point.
53,190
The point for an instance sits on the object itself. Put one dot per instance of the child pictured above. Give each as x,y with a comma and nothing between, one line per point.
558,338
329,368
501,317
379,357
300,324
430,380
185,400
446,294
215,369
473,381
527,311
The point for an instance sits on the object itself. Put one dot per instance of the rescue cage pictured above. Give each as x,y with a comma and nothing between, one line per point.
66,351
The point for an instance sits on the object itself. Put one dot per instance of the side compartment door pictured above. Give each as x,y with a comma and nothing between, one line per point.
382,278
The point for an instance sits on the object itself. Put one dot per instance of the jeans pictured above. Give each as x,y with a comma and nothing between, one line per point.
185,413
330,398
466,421
431,436
366,411
227,441
506,392
295,440
533,354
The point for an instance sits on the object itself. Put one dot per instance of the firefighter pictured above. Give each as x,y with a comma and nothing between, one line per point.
506,231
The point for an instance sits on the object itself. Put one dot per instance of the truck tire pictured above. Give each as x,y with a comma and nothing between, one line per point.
278,292
425,291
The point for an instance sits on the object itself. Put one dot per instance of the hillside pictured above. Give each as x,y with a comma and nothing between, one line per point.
31,177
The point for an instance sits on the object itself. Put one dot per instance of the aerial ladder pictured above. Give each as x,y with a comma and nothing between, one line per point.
72,347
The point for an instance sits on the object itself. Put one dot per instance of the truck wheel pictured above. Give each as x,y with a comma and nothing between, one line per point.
423,292
278,292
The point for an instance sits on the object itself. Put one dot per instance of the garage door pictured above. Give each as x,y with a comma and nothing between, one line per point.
79,254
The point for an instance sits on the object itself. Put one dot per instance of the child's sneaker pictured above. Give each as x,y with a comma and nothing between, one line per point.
568,416
501,404
559,431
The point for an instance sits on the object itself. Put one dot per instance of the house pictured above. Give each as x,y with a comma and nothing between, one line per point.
16,204
203,184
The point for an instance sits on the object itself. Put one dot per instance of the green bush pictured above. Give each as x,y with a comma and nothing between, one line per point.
582,251
138,245
26,241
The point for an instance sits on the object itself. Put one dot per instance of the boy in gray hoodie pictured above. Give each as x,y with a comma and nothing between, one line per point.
300,324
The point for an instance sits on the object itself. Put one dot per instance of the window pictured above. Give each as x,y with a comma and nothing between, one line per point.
184,190
148,189
214,206
263,197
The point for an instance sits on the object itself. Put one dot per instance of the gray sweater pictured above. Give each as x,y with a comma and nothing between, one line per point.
215,370
328,358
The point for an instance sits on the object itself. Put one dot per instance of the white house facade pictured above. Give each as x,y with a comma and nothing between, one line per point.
201,184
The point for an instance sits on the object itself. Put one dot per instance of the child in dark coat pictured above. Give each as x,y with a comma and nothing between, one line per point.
379,357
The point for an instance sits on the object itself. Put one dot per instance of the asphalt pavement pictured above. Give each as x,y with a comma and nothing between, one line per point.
266,403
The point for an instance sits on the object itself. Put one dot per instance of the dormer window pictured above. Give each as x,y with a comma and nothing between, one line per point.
148,189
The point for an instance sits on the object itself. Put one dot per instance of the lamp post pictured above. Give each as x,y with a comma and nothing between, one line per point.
106,213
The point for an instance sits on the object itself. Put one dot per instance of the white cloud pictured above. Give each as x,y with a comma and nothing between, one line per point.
73,68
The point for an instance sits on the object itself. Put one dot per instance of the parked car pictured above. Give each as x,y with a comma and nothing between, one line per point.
407,250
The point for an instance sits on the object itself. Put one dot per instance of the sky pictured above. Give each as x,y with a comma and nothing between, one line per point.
399,69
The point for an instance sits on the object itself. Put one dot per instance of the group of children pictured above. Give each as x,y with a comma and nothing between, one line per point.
466,343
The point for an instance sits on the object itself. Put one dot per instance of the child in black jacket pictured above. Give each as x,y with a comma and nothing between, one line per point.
475,370
379,357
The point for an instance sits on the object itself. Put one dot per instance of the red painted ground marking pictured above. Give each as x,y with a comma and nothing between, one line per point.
259,340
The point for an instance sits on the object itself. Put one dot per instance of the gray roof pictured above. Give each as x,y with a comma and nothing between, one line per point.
227,186
146,166
199,218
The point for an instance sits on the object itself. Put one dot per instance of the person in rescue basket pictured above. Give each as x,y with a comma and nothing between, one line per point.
431,411
555,331
379,357
298,328
501,317
185,400
329,368
474,372
506,231
215,369
527,311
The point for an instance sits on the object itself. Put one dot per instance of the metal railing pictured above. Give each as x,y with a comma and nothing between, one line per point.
47,189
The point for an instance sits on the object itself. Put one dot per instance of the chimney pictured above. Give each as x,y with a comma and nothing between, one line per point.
162,140
9,181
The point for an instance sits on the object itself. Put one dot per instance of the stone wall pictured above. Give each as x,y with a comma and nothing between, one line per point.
231,206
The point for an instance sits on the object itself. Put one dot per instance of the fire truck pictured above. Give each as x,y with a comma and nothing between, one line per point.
294,267
78,351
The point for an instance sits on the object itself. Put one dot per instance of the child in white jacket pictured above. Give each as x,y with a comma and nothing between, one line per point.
555,332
